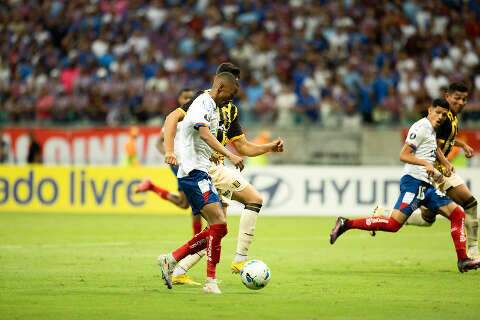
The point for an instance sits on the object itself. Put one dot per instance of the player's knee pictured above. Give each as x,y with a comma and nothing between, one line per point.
184,204
255,198
470,203
428,217
220,218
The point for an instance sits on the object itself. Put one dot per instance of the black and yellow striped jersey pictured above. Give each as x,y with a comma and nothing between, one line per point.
446,135
229,128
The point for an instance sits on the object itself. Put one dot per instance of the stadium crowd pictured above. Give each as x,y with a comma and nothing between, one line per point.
323,62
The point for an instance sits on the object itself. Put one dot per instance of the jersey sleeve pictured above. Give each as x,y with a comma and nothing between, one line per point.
184,108
235,131
416,135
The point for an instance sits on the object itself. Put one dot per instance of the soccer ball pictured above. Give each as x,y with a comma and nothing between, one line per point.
255,274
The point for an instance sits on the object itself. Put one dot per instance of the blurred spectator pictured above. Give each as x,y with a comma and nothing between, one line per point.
307,106
264,109
119,61
34,155
285,103
131,148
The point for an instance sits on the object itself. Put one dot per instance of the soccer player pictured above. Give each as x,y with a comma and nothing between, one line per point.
416,188
197,139
453,184
229,182
179,199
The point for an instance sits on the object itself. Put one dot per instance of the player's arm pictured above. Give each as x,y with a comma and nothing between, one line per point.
466,148
212,141
159,144
407,155
250,149
236,136
169,132
415,137
444,162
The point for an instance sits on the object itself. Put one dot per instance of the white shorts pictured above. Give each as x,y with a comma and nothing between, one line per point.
450,182
227,180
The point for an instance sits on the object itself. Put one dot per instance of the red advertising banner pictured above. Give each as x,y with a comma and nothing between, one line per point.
101,146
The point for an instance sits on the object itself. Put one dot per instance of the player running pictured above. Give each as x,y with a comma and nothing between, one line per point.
416,188
229,182
197,139
454,186
179,199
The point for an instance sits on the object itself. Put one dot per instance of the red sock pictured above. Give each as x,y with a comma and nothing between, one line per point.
197,226
217,232
197,243
375,223
457,230
160,191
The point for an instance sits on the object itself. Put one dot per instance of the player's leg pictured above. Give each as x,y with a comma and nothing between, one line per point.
462,195
180,200
180,272
204,198
421,217
177,199
196,223
168,262
236,187
217,222
411,193
456,215
252,200
393,223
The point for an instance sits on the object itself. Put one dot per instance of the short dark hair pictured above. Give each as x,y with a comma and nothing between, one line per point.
457,87
230,68
442,103
227,75
184,90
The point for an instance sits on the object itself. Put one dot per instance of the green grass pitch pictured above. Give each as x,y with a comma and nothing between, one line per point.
104,267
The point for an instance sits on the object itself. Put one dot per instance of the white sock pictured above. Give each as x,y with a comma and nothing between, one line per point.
471,223
246,230
416,219
187,263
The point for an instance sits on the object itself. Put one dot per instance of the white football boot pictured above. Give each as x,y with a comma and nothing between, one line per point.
167,265
211,286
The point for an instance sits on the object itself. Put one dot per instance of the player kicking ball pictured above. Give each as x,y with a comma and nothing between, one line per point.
197,139
416,188
229,182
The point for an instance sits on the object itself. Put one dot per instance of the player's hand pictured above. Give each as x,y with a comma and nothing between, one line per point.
449,169
277,145
237,161
468,151
430,169
438,177
170,158
215,159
